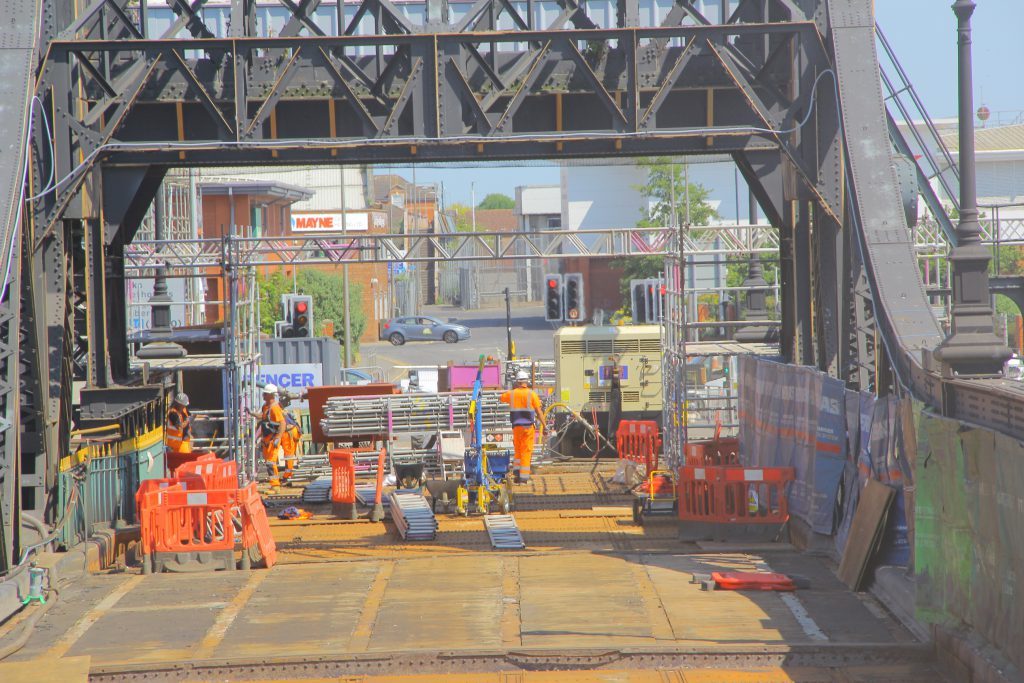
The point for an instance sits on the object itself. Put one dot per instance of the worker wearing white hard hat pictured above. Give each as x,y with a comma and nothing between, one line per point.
178,426
272,425
525,413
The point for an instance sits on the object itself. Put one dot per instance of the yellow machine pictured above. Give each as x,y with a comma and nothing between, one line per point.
611,373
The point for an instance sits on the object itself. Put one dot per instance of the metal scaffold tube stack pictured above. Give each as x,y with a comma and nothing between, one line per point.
349,417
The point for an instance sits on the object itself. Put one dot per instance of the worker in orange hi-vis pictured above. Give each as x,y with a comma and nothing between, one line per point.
178,428
272,427
524,412
291,444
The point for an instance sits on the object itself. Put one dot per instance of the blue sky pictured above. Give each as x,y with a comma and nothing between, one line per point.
923,34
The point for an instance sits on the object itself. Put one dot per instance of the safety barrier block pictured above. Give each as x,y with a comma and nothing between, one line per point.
639,441
714,453
217,473
343,475
721,502
256,532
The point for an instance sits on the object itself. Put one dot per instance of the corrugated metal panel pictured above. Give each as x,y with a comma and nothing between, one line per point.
323,350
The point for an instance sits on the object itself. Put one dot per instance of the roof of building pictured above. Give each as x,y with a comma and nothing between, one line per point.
995,139
271,188
383,184
495,220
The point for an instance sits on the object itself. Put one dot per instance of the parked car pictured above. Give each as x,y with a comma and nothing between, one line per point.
422,328
352,376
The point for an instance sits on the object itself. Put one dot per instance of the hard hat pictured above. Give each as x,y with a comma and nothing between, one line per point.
269,389
181,398
522,376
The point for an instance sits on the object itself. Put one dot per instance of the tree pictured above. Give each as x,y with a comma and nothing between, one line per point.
463,216
327,290
497,201
665,188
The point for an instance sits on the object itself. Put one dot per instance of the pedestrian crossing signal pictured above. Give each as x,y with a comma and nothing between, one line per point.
574,310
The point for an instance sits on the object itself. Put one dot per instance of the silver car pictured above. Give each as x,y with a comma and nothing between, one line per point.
422,328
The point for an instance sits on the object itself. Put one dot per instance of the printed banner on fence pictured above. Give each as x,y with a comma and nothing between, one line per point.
793,416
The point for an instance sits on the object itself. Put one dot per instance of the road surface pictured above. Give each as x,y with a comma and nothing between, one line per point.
531,333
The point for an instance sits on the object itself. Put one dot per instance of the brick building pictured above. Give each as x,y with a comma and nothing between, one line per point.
268,208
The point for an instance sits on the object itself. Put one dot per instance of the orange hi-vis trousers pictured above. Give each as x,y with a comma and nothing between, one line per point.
522,440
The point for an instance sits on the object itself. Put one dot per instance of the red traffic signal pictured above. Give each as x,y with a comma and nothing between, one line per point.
300,307
552,284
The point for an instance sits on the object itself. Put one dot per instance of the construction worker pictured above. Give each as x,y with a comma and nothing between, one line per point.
178,428
291,442
272,428
524,412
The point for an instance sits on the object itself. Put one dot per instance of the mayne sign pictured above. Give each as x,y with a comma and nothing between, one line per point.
331,221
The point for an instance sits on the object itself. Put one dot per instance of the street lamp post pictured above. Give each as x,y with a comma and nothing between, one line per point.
972,348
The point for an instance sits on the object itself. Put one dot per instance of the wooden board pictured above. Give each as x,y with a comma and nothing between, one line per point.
865,532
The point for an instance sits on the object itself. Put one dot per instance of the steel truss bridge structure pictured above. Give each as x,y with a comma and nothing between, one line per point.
98,105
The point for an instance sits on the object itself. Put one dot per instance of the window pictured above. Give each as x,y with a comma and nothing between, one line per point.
554,222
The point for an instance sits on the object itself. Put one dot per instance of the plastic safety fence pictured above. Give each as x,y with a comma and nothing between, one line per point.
640,442
217,473
412,516
346,417
197,519
343,476
504,532
713,453
713,499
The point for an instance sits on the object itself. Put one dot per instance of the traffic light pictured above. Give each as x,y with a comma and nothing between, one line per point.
299,316
574,309
655,292
638,300
553,311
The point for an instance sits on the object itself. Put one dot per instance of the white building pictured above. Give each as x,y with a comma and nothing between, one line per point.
538,207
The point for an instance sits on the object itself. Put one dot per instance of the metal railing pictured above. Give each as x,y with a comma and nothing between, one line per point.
106,484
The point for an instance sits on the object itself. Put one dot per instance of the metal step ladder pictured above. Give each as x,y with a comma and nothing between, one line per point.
504,532
412,516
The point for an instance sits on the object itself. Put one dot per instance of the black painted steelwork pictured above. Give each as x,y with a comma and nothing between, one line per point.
972,349
788,88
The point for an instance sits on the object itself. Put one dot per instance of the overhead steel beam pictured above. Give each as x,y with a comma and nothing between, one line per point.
188,255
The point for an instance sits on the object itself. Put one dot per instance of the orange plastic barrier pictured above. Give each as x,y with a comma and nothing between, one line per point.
197,513
343,475
639,442
256,526
734,495
719,452
217,473
191,521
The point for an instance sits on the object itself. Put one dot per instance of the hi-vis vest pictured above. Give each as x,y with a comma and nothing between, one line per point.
521,411
178,437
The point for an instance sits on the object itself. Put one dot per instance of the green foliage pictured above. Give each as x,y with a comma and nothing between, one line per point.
463,217
328,301
497,201
664,188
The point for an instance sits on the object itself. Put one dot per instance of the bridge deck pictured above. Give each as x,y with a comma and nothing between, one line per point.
591,588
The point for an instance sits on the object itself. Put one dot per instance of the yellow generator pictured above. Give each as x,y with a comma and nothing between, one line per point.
611,373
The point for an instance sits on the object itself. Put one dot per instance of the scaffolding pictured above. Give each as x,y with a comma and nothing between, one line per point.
234,434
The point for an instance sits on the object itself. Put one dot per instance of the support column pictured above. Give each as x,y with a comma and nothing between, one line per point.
972,349
804,339
756,299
